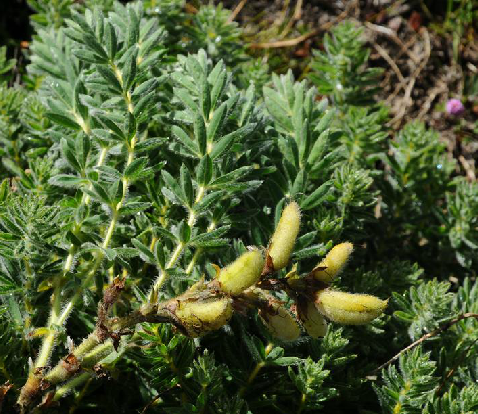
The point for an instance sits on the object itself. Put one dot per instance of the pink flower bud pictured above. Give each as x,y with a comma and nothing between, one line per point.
454,107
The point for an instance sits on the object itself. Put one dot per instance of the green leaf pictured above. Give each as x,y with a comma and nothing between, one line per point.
111,78
184,139
159,254
226,141
200,133
129,71
218,83
286,361
89,56
145,104
211,239
162,232
150,144
101,193
126,252
278,109
173,187
204,96
133,27
319,147
204,171
299,183
136,169
73,239
63,120
3,190
93,44
111,125
82,147
69,155
68,181
144,252
208,200
7,286
184,232
110,254
187,185
111,40
133,207
145,88
318,196
130,125
187,100
231,177
216,123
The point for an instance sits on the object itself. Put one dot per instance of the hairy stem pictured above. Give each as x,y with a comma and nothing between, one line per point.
199,251
255,371
49,339
70,385
58,317
180,247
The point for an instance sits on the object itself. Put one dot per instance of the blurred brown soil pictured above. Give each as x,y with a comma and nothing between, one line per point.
406,39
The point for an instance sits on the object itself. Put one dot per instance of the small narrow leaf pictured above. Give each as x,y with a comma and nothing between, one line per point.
204,171
63,120
184,139
136,168
69,155
187,185
200,133
314,199
144,252
225,142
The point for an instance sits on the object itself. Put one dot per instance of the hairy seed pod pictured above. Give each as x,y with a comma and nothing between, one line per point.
349,308
242,273
333,263
312,320
199,317
280,323
283,239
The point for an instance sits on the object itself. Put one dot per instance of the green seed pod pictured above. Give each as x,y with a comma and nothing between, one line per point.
333,263
312,320
283,239
280,323
199,317
242,273
349,308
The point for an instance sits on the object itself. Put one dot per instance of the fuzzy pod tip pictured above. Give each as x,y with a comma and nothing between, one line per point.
283,239
334,262
349,308
244,272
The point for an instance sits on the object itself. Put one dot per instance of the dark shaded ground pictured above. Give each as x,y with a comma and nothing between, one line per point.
14,22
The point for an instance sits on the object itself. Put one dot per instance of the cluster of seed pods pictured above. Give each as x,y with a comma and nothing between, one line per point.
247,284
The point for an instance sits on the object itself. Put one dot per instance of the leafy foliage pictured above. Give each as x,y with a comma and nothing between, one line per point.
309,380
213,31
340,70
408,389
144,149
424,306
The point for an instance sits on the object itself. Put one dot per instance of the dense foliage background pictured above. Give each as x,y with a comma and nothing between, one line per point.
155,139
